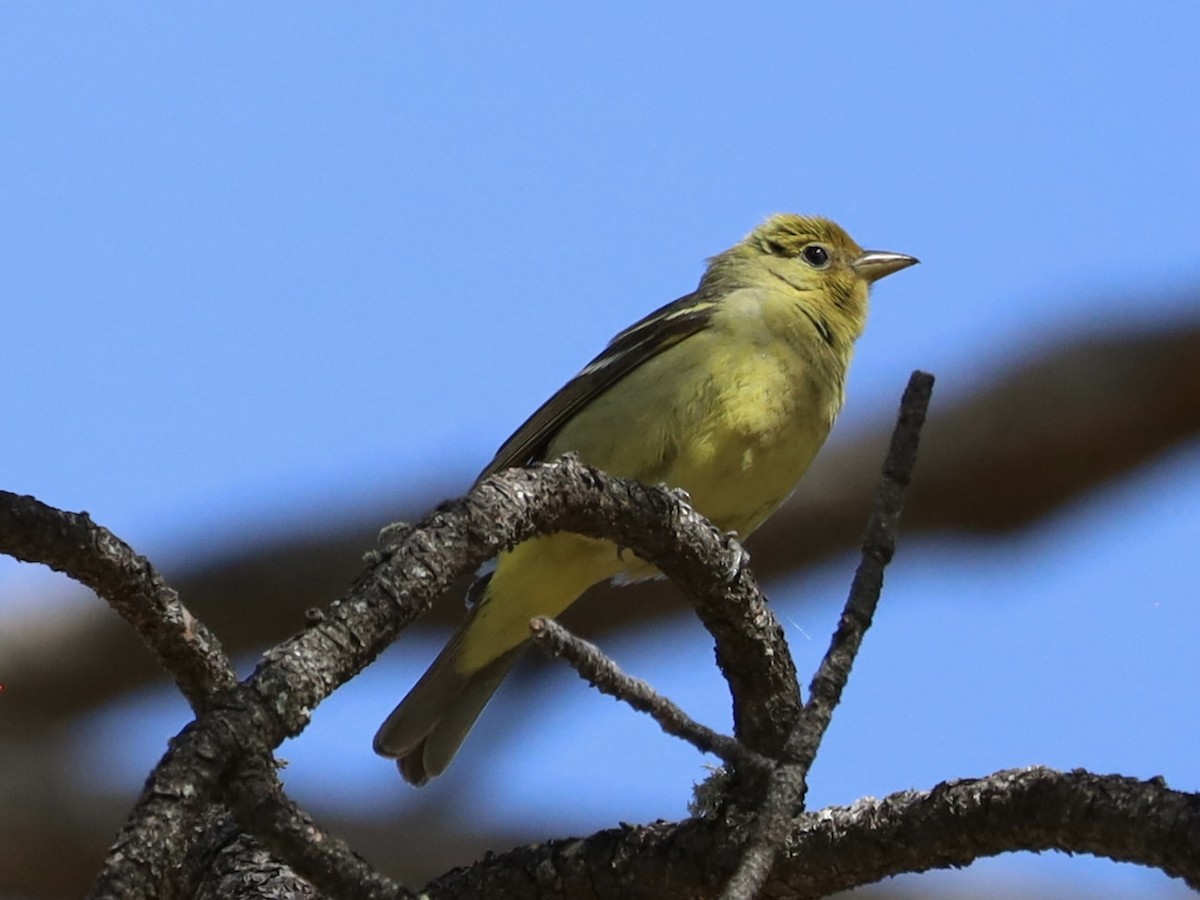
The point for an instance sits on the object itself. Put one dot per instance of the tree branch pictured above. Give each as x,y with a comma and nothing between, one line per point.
276,702
261,808
839,848
73,544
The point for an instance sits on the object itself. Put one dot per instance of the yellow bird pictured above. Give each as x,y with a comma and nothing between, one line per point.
727,393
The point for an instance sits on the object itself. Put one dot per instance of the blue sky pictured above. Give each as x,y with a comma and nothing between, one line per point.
262,260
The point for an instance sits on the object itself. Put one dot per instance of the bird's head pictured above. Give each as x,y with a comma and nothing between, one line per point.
831,274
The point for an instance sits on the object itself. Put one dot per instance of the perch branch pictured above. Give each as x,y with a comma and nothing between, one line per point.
251,719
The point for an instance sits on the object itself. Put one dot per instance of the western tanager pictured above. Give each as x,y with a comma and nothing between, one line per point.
727,393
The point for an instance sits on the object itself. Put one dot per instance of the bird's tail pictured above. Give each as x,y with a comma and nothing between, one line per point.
425,730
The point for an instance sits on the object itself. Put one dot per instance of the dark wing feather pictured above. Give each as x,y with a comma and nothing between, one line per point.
646,338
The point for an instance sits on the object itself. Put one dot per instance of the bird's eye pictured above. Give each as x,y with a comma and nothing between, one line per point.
816,256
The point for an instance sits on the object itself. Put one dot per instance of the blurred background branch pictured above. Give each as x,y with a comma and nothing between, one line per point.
1038,436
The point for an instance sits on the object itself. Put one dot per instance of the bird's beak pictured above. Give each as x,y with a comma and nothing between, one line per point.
876,264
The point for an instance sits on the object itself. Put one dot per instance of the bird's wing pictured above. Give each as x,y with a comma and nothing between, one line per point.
663,328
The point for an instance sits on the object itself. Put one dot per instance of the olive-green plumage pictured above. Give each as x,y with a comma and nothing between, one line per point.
727,393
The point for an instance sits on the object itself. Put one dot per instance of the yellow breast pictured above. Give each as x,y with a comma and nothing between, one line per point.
733,415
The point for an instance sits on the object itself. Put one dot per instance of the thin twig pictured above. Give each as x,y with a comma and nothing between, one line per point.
603,674
879,545
789,783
